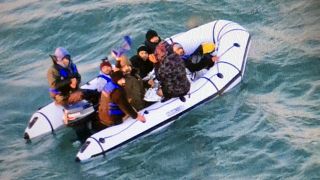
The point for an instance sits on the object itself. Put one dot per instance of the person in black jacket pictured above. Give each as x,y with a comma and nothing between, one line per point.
198,60
141,63
152,40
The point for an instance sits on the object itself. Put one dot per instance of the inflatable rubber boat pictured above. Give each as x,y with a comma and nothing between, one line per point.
232,43
48,119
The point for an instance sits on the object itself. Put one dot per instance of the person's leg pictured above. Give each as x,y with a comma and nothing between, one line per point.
92,96
82,131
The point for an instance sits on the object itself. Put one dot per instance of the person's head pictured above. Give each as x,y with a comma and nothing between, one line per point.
124,64
143,52
118,78
160,52
178,49
62,56
152,36
105,66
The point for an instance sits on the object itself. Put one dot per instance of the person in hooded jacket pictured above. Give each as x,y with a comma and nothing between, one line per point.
64,79
200,59
152,40
171,72
141,62
114,105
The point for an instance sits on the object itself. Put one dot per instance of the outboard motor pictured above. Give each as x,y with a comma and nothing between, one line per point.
79,117
49,118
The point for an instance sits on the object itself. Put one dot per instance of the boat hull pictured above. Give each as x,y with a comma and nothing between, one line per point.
233,43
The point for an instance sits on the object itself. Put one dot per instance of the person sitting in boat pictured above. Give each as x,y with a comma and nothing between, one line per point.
152,39
64,79
134,87
143,66
171,72
200,59
141,62
104,75
114,104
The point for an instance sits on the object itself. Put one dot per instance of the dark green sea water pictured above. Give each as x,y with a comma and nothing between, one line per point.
268,127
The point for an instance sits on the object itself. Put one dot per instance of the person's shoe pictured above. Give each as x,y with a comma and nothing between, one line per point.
182,98
164,99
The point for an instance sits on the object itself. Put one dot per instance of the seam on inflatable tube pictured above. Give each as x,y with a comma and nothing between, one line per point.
222,29
214,26
246,52
52,130
103,152
230,31
224,62
230,82
121,130
210,82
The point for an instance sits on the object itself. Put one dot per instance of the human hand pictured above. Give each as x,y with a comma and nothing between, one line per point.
151,83
65,118
75,97
215,58
73,83
152,58
159,92
141,118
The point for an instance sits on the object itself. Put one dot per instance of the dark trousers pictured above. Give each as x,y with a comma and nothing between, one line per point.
92,96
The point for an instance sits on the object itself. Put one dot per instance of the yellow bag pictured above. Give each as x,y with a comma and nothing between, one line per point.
208,47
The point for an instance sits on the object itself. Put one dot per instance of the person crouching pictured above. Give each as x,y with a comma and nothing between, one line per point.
114,105
64,79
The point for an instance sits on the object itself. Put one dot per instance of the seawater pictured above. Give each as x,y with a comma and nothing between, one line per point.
268,127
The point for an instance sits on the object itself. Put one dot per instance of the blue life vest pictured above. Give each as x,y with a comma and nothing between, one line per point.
113,107
105,77
64,74
185,57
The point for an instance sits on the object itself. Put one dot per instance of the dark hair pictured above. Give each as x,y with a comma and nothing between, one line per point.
142,48
150,34
105,62
116,76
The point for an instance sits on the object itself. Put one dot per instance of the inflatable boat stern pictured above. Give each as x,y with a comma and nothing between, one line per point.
91,148
39,124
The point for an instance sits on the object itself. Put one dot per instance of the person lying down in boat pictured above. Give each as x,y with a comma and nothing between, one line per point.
200,59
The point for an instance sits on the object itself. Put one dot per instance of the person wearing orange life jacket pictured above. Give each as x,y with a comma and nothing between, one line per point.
114,105
64,79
